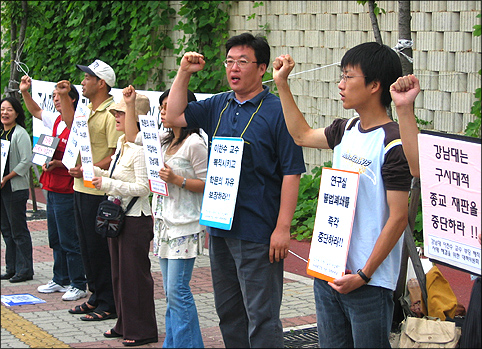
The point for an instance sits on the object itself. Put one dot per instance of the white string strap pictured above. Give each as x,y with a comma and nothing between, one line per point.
403,44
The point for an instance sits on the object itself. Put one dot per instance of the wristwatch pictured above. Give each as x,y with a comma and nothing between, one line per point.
363,276
183,183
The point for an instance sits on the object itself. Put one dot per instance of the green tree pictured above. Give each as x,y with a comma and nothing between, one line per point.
473,127
205,28
61,34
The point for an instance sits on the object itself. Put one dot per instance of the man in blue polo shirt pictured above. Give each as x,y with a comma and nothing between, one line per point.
247,260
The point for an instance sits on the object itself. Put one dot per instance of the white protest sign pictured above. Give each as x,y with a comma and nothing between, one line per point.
42,94
153,153
450,177
333,224
5,147
222,181
44,150
71,149
83,138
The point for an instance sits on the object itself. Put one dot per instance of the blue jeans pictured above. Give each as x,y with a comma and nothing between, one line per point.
248,290
182,323
360,319
64,241
18,242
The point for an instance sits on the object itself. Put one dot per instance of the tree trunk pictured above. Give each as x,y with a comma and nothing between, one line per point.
16,50
374,20
405,33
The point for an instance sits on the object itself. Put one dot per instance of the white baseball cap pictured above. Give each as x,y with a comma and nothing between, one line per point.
101,70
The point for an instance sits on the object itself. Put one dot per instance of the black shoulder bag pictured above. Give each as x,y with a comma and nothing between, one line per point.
110,216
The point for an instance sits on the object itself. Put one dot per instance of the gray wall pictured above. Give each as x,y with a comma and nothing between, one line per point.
317,33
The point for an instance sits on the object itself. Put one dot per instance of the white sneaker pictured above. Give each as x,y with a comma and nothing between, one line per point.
74,294
52,287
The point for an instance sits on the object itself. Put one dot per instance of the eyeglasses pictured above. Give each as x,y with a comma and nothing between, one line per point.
346,77
242,63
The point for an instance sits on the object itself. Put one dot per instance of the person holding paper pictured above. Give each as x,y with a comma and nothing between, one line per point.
247,259
131,266
98,80
178,236
68,270
356,309
409,87
15,192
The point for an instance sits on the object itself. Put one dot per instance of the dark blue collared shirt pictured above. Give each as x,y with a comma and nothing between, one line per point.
269,154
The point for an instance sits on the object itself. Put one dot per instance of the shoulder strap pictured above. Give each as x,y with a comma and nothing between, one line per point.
133,200
131,203
56,125
115,163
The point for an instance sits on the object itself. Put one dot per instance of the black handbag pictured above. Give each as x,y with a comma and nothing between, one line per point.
110,216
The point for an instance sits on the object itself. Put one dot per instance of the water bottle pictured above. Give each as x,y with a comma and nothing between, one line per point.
117,200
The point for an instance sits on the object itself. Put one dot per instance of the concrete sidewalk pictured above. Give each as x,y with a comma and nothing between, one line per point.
50,325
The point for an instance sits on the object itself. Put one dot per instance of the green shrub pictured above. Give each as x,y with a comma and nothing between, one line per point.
304,216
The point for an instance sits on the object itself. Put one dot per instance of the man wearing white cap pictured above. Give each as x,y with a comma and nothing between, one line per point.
98,80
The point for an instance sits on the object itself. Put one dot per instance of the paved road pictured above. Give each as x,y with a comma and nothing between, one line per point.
50,325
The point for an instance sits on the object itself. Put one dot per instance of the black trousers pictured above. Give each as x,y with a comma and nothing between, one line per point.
95,252
471,329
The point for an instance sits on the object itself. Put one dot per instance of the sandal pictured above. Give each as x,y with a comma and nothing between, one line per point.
84,308
136,342
98,316
111,334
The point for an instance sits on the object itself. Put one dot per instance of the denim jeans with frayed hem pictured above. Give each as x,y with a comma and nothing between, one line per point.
360,319
64,241
182,323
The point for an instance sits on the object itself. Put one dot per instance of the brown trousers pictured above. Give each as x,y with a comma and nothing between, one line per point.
132,280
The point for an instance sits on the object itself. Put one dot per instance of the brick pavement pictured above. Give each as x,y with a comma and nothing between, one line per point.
50,325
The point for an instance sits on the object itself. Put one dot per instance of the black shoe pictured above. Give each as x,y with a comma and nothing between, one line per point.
6,276
20,278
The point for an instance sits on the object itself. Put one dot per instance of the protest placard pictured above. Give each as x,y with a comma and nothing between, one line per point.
44,150
333,224
222,181
4,155
450,178
153,153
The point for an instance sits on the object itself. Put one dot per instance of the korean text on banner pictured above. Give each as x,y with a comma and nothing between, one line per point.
5,146
153,153
451,187
333,224
71,149
83,139
44,150
222,182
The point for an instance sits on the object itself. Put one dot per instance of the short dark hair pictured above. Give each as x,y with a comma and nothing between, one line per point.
378,63
258,43
190,96
184,132
74,94
17,106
